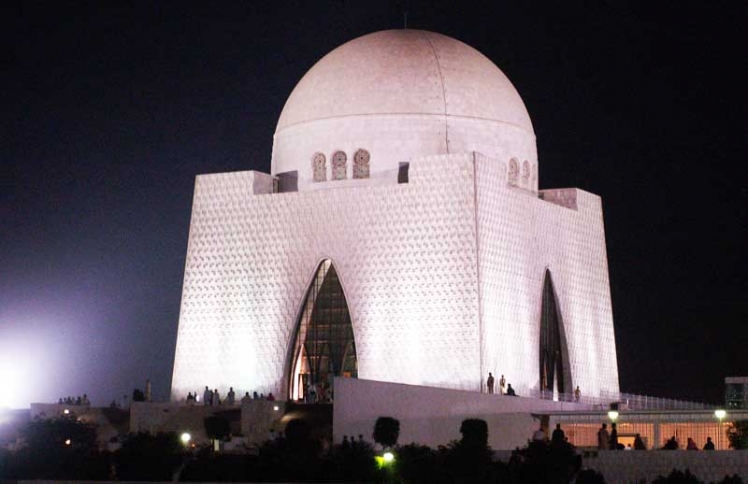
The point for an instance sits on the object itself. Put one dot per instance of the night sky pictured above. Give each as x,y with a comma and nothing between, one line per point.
110,110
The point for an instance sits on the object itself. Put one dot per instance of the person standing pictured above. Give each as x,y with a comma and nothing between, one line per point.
613,437
577,394
691,445
489,383
147,390
558,436
539,435
502,385
709,444
207,396
603,438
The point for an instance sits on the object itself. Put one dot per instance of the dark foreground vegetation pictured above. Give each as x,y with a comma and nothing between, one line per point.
66,449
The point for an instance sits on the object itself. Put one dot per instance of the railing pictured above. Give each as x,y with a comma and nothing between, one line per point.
644,402
625,401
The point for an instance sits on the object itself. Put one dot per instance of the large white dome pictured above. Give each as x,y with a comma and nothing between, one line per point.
401,94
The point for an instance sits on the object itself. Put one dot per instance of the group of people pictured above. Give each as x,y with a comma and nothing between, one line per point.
609,441
558,436
320,392
75,401
213,397
672,444
504,388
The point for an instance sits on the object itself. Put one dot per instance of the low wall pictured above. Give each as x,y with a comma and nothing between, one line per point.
432,416
630,467
109,422
253,419
259,418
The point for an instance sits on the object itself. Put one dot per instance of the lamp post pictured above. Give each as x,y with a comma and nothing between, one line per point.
720,414
613,415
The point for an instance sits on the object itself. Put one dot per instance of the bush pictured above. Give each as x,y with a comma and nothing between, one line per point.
217,428
738,435
677,477
733,479
60,448
386,431
149,457
417,464
474,432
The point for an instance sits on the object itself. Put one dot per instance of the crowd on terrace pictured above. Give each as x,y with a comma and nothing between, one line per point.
212,398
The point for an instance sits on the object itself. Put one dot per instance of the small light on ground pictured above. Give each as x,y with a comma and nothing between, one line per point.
185,438
67,442
66,411
275,407
384,460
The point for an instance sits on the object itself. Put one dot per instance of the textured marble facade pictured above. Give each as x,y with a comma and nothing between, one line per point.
443,277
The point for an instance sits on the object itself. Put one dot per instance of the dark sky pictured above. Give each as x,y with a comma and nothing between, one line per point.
110,109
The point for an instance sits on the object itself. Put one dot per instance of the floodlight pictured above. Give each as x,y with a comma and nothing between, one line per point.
613,415
720,414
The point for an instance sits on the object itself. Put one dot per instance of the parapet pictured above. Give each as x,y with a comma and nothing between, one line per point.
565,197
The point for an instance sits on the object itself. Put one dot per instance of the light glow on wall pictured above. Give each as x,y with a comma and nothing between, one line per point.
18,377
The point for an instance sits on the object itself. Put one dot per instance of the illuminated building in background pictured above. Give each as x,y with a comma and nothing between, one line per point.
400,236
736,392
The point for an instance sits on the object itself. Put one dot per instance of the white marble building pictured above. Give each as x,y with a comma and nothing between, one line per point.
400,237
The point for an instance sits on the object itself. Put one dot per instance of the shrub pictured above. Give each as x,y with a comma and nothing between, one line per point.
216,427
386,431
474,433
677,477
738,435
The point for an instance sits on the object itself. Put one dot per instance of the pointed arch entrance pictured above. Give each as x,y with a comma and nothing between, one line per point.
555,373
323,345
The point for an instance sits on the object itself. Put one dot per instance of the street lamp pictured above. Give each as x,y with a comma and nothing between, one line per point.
613,415
185,438
720,414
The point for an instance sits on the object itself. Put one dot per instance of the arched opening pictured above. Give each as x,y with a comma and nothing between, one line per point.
361,164
319,167
323,345
339,168
513,171
526,174
555,374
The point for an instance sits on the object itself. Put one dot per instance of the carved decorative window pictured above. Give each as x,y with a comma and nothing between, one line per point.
319,167
361,164
339,166
526,173
534,180
513,171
